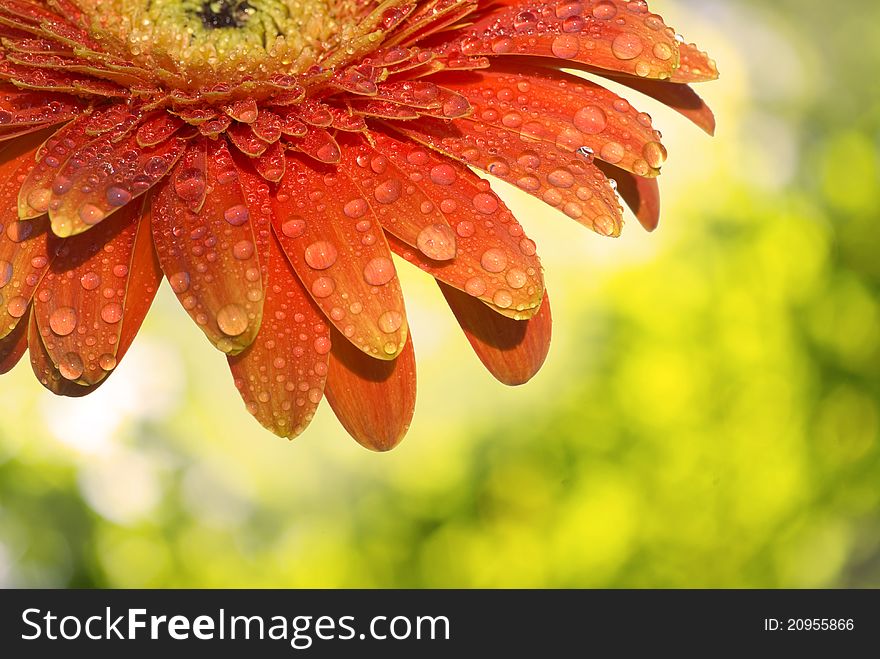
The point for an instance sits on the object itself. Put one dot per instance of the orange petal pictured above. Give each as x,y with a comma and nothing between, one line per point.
567,112
494,261
19,108
642,195
614,35
566,181
97,285
211,256
680,98
413,217
337,248
47,371
36,190
13,347
24,254
103,177
694,65
281,374
512,350
374,400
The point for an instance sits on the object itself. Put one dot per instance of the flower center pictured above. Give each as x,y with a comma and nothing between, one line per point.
224,13
191,44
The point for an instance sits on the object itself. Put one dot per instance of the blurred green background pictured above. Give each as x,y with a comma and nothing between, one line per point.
708,415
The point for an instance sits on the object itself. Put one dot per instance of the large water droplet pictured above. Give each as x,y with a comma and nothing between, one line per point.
437,242
321,255
390,321
232,320
379,271
62,321
236,215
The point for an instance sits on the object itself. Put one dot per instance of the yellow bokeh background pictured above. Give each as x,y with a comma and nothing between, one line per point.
708,415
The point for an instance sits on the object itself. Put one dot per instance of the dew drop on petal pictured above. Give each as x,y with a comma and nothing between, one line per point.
90,281
388,191
117,196
71,366
111,313
294,228
232,320
236,215
62,321
493,260
590,119
390,321
475,286
90,214
321,255
107,361
323,287
179,282
243,250
437,242
443,174
379,271
485,203
322,345
502,299
627,46
356,208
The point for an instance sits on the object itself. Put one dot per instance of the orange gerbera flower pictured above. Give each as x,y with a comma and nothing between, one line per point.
268,157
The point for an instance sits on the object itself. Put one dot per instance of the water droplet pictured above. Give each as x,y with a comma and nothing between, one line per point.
590,119
655,154
179,282
390,321
612,152
90,214
17,306
388,191
39,198
71,366
321,255
485,202
475,286
189,184
662,51
502,299
117,196
627,46
443,174
62,321
90,281
232,320
111,313
465,229
437,242
516,278
379,271
107,361
565,46
294,227
604,11
236,215
604,225
356,208
323,287
493,260
243,250
322,345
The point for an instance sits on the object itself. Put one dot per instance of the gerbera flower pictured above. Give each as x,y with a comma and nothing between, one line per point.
269,156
